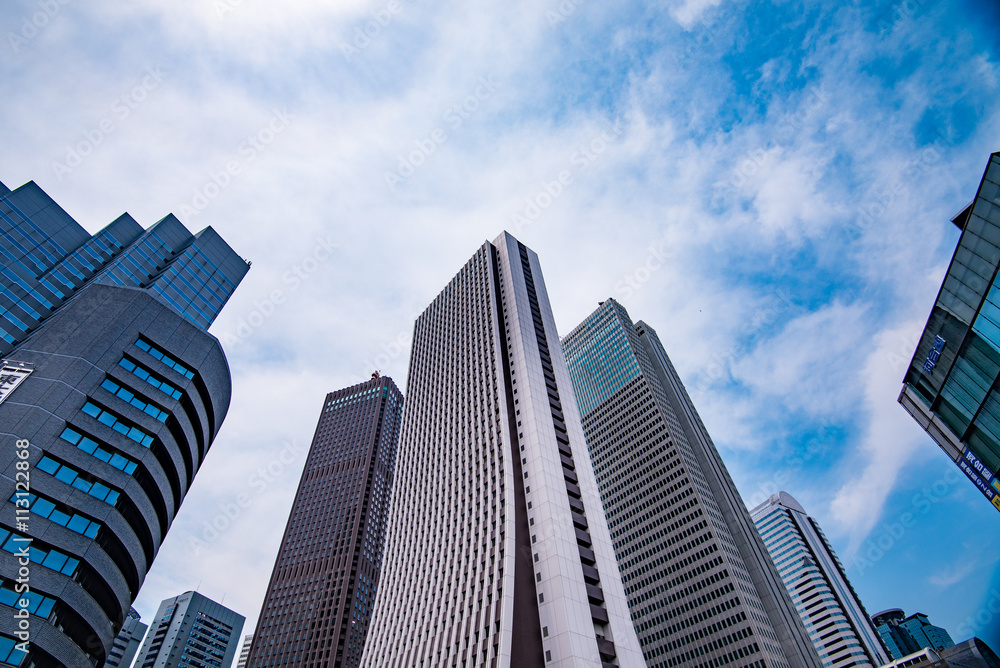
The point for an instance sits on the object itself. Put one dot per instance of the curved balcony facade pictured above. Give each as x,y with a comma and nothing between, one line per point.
123,401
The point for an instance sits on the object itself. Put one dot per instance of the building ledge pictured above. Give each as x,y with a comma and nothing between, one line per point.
931,423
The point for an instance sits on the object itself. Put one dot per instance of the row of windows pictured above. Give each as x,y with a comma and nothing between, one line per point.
149,377
131,398
157,353
60,515
38,604
98,450
118,424
10,654
52,559
71,476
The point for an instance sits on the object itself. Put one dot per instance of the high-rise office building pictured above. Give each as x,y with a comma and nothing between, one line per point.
897,640
112,392
126,642
904,635
834,617
951,387
319,601
498,553
244,656
191,631
700,583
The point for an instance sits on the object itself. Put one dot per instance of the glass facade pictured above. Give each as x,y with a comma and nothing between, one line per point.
601,359
907,635
926,634
951,385
46,257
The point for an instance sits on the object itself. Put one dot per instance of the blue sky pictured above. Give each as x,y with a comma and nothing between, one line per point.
788,170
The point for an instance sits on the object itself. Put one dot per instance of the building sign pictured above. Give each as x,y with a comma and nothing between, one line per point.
12,374
984,479
934,355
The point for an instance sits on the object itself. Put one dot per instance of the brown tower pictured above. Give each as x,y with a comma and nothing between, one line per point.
319,601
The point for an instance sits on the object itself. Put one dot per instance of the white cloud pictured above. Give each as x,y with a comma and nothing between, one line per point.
811,365
891,440
951,575
690,12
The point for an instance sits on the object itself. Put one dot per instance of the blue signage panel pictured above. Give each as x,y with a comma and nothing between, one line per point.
934,355
984,479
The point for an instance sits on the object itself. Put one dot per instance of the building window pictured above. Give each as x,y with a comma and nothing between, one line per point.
60,515
51,559
98,450
150,378
38,604
9,654
74,478
118,424
138,401
154,351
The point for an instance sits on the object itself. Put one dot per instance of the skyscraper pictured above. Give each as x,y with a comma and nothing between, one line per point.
126,642
833,615
191,631
319,601
904,635
700,583
114,395
244,656
498,554
951,386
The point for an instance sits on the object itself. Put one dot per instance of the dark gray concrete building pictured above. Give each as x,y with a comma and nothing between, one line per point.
319,601
111,396
191,631
701,586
